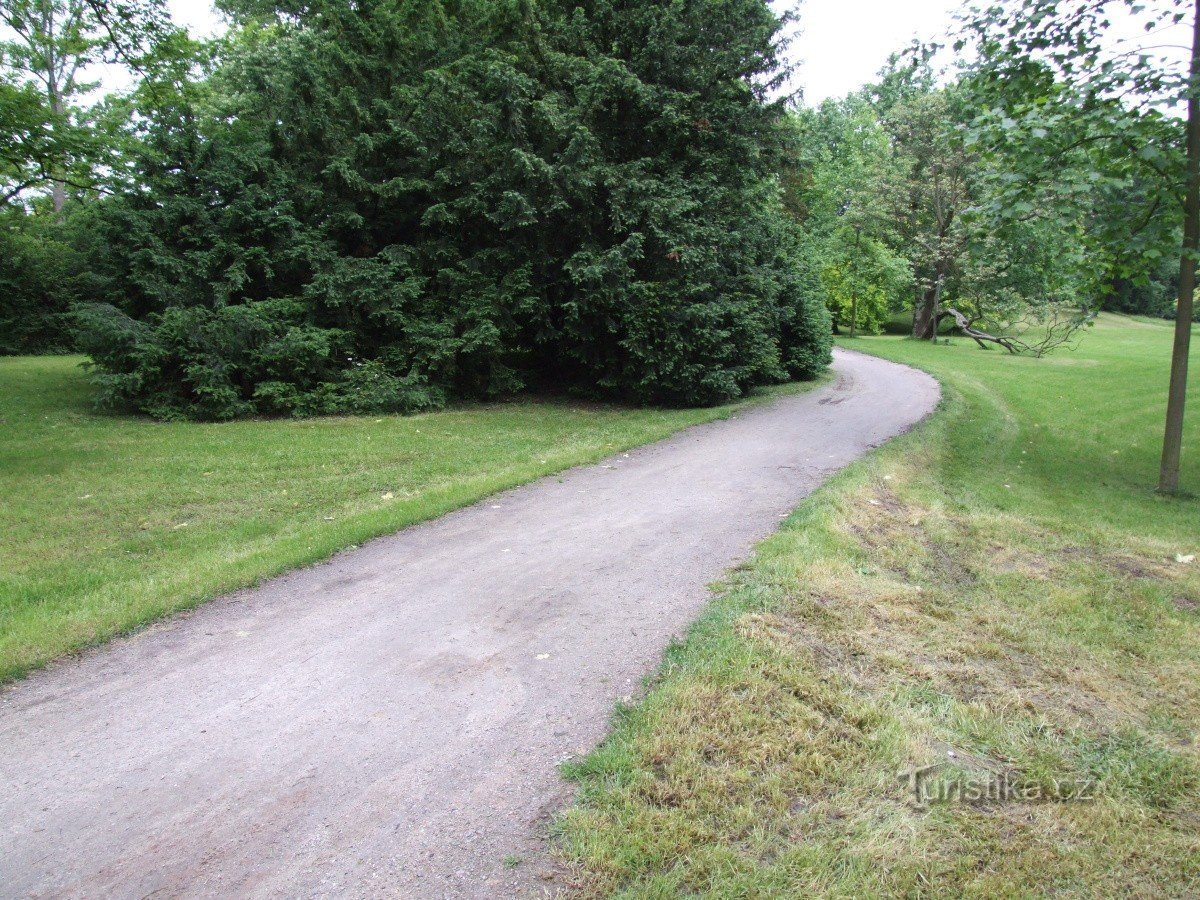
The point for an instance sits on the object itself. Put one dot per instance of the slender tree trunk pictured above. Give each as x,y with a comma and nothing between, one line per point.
1168,481
937,299
58,186
854,281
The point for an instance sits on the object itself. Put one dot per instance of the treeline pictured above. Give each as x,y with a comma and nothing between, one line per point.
392,204
388,205
920,196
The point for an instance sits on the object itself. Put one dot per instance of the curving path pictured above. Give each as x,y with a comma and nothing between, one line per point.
389,723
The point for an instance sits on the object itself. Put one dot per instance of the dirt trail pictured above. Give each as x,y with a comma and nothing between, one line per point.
389,723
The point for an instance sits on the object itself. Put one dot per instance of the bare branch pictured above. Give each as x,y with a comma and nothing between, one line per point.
1058,328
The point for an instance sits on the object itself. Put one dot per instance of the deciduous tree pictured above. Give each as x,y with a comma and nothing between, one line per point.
1076,111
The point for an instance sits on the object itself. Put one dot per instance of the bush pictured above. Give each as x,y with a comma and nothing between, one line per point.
389,207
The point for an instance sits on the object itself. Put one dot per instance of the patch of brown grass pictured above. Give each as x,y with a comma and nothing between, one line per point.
912,632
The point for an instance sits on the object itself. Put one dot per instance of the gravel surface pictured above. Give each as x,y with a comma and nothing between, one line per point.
389,723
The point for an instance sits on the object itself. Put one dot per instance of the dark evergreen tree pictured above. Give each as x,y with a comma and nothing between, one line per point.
384,205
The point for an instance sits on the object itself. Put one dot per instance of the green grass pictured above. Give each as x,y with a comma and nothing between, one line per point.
1002,585
109,522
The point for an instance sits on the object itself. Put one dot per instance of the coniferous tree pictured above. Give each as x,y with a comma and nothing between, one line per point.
386,205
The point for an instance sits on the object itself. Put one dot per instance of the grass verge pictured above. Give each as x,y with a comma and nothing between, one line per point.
109,522
999,594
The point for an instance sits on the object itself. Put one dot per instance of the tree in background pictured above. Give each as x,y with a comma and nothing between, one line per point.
1075,113
935,185
47,93
897,198
59,140
847,167
54,44
863,279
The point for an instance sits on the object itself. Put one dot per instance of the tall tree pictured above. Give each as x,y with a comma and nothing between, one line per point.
840,182
1177,392
47,67
1056,82
937,182
385,205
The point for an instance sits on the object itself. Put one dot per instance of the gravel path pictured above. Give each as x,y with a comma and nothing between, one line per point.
389,723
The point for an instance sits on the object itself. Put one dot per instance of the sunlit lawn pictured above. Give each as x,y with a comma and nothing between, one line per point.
111,521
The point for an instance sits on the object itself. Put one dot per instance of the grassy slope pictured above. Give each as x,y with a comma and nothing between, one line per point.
1001,584
109,522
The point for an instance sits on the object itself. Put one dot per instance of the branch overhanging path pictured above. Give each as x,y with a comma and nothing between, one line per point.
390,722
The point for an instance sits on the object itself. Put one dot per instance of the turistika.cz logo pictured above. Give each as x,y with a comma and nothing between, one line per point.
944,782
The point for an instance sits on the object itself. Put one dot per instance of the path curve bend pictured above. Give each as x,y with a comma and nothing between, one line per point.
389,723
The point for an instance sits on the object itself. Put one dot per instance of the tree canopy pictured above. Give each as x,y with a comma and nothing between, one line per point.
1087,123
380,206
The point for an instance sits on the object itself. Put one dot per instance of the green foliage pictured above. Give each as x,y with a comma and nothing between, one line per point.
51,133
904,211
390,206
1079,129
865,281
1156,296
60,149
844,197
38,281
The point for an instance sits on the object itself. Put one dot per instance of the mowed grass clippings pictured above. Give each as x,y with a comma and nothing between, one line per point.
1000,592
110,522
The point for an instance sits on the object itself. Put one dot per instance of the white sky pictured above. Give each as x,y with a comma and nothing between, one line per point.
841,44
198,15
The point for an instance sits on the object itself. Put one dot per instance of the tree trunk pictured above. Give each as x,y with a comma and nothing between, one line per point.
58,185
1168,480
925,318
854,281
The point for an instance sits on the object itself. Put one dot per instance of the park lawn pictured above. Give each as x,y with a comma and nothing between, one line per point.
109,522
997,592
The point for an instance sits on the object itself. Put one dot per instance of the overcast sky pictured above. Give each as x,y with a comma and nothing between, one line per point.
841,44
198,15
